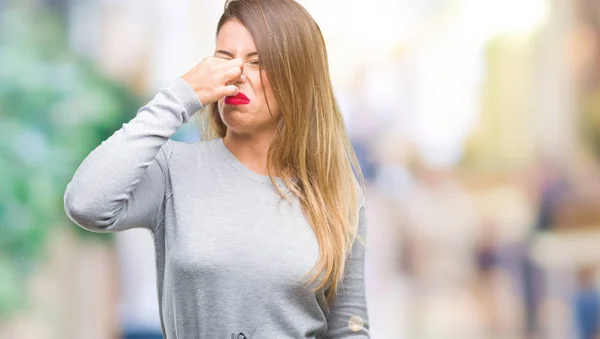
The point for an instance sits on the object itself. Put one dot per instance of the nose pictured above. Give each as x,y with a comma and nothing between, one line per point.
242,77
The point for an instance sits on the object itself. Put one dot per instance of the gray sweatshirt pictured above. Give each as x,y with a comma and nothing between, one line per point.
231,255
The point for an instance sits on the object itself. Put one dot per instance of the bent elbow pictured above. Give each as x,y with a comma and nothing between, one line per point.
83,211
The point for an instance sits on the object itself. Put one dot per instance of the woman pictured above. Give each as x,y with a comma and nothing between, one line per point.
241,219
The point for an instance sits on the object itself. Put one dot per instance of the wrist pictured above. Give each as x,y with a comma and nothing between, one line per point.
185,94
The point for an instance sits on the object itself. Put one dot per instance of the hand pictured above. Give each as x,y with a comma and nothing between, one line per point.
211,78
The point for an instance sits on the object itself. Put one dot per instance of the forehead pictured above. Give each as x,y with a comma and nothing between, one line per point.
235,37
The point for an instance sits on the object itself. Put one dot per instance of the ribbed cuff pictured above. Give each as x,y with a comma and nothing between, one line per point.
185,94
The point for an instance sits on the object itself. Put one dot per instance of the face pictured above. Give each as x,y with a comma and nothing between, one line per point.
235,41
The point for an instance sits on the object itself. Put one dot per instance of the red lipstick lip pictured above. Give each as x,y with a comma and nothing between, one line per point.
239,99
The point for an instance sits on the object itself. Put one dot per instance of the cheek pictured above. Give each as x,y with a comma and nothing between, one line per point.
268,92
220,105
267,86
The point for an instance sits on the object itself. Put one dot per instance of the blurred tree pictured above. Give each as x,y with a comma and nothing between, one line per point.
589,108
503,140
587,33
55,107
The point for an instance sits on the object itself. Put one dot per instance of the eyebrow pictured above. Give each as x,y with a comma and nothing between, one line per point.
229,54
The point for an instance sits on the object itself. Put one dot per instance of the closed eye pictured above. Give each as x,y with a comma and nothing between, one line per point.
254,62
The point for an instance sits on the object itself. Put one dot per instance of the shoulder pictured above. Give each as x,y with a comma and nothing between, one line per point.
184,154
176,147
360,190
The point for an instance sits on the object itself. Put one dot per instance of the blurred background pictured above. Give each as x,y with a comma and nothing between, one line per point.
477,125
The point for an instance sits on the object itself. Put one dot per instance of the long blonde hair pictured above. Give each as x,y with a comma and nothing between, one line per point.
311,145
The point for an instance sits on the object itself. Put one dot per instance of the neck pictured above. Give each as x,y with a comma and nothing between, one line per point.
250,149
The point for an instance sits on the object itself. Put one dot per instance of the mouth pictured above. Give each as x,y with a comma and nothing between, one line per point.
239,99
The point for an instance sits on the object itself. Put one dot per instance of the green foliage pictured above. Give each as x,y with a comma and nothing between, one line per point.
55,107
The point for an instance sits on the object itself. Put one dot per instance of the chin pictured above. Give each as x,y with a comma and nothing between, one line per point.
234,109
235,119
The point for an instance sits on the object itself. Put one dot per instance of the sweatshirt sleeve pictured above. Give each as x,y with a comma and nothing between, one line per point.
348,317
121,184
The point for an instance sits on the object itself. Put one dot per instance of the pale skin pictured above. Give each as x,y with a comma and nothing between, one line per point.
235,68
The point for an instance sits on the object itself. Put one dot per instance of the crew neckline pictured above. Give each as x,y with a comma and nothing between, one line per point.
241,168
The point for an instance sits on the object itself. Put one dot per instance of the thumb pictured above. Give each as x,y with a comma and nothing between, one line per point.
229,90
